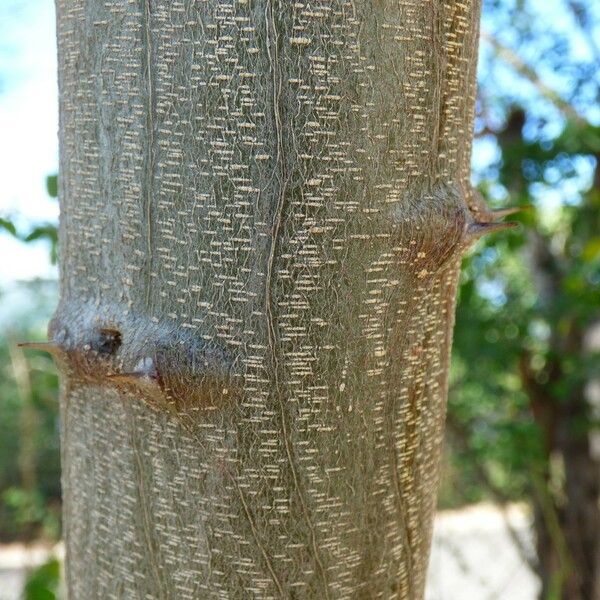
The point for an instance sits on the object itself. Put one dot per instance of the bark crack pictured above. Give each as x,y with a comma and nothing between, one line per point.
281,178
149,159
142,495
257,539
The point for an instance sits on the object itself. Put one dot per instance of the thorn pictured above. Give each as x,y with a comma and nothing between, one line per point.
500,213
49,347
488,215
478,230
485,214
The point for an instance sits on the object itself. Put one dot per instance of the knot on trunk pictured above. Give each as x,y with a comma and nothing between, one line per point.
169,368
435,228
428,229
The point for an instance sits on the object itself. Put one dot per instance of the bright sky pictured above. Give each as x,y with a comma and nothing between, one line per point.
29,123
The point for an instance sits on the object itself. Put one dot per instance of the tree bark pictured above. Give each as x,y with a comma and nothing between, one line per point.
263,210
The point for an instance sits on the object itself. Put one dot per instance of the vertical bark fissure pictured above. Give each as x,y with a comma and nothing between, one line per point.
395,469
149,158
281,179
439,95
401,510
143,495
257,538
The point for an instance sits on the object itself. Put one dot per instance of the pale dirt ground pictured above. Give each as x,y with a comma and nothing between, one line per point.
473,557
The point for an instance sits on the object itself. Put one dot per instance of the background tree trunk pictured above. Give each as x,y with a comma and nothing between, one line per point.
567,519
264,206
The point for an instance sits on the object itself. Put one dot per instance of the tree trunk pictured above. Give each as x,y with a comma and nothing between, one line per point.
264,205
567,523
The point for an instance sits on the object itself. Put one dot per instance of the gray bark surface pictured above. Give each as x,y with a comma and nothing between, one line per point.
263,210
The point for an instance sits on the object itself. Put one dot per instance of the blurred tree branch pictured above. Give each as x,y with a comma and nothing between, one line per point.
509,56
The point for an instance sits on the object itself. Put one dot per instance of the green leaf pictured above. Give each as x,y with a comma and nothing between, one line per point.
9,226
42,583
591,250
52,185
43,232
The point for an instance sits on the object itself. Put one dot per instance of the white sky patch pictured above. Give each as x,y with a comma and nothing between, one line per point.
28,126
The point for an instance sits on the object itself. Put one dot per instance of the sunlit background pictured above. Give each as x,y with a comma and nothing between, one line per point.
519,515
